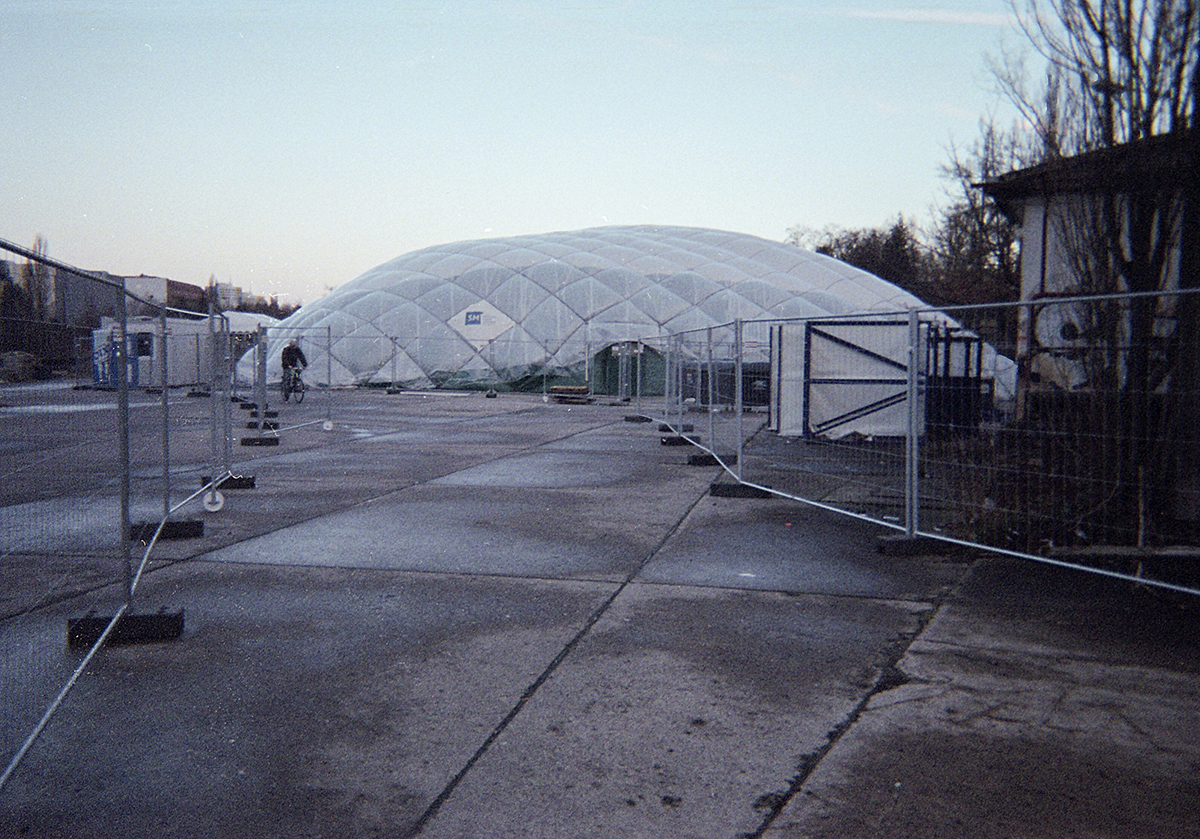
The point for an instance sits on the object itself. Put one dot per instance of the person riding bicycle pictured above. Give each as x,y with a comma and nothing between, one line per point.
293,360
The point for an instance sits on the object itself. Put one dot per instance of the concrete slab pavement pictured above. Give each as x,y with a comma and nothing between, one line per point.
1038,703
780,545
502,618
682,713
301,702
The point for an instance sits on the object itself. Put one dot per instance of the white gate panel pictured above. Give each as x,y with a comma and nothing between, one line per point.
837,378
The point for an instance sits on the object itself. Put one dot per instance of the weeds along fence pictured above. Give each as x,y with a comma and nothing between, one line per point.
105,445
1064,430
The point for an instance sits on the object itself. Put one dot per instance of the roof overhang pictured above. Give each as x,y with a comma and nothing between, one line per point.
1164,162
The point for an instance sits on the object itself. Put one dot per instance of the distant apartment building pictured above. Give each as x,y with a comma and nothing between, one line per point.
228,295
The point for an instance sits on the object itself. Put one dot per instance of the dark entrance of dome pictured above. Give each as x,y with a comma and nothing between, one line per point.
626,369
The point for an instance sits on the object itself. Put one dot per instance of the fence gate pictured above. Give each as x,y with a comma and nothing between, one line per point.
834,378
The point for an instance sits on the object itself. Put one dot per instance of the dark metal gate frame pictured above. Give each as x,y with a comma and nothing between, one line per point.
812,329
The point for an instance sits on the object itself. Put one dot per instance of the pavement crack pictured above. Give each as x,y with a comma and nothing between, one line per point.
432,810
890,676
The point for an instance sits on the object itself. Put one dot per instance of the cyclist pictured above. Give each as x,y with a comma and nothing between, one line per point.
292,361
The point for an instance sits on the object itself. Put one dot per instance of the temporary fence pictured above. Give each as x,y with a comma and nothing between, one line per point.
1064,430
107,443
423,357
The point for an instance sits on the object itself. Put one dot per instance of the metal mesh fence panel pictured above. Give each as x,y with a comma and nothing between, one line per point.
1064,430
59,525
1091,456
839,419
95,466
704,403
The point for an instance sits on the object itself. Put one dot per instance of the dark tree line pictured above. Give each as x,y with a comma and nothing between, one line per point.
14,301
269,306
895,253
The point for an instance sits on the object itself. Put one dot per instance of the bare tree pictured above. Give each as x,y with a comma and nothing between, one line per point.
1120,90
36,279
1119,70
973,242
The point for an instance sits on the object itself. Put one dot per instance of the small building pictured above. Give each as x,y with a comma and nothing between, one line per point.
1058,207
1123,363
188,350
228,295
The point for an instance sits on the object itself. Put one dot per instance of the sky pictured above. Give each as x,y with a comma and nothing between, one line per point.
287,148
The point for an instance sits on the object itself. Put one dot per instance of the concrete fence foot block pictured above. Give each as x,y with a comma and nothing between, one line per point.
131,629
724,489
231,482
898,544
687,426
711,460
260,441
187,529
636,418
679,441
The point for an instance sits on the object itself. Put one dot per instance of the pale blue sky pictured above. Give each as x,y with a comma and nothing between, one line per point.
288,147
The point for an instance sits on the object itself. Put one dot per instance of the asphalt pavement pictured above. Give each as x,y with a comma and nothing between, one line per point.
452,616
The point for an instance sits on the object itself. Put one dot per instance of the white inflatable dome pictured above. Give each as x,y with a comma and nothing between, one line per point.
504,310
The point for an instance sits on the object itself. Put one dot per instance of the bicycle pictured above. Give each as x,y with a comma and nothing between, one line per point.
292,385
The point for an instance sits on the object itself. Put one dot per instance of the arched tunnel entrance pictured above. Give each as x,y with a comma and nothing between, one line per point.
627,369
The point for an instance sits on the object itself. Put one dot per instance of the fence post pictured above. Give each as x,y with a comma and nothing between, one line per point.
641,351
679,373
712,428
123,442
912,500
260,376
216,392
737,390
199,365
667,374
228,389
166,415
393,362
328,378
